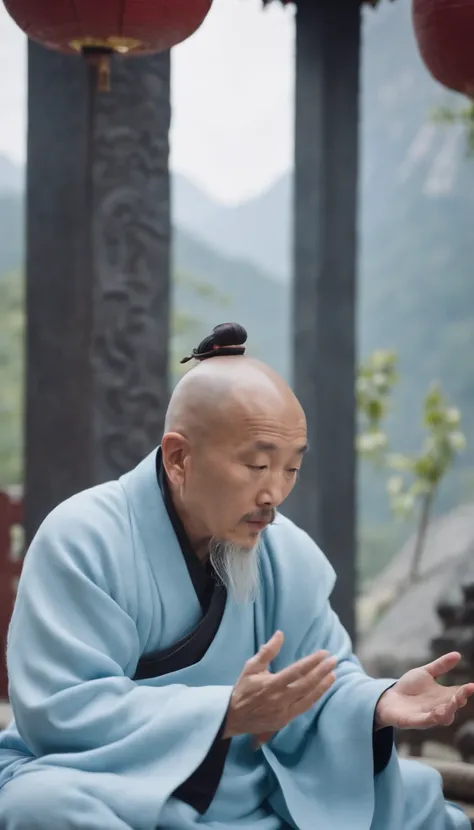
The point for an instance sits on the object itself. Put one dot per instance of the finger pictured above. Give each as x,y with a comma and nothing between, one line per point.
443,714
297,670
265,654
457,701
440,716
465,692
459,698
303,704
308,683
261,740
442,665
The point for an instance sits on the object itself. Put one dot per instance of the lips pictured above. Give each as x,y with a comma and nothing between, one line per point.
258,525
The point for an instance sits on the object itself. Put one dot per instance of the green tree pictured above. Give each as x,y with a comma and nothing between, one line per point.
375,381
418,476
12,325
413,479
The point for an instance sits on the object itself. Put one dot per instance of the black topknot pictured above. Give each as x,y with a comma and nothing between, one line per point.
226,339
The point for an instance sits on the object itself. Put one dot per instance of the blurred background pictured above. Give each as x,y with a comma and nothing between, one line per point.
231,165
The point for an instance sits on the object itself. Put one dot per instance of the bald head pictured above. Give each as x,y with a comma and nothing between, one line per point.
219,391
234,441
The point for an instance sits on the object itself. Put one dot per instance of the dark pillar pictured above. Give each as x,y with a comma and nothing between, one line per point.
324,293
98,272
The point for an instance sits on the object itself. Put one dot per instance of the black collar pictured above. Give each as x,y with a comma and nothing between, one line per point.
201,575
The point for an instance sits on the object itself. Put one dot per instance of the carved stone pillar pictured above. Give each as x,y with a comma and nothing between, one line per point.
98,272
324,287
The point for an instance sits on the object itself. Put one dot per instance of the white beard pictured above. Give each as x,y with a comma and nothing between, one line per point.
237,568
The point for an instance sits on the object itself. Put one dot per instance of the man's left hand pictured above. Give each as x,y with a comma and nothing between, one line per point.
417,701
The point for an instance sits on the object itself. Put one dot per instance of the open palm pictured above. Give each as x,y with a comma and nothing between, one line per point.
418,701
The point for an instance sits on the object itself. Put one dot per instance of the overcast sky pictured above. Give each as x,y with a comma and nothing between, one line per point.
232,90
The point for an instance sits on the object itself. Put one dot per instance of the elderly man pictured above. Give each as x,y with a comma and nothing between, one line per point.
173,657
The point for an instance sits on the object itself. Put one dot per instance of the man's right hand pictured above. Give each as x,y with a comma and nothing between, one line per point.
262,703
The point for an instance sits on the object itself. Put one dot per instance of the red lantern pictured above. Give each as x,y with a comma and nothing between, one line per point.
445,33
99,28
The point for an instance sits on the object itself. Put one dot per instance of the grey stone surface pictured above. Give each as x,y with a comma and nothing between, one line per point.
324,287
402,636
98,272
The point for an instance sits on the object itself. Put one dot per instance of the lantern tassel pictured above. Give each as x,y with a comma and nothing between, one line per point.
103,74
100,59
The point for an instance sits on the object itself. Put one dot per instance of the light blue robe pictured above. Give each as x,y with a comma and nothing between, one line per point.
104,582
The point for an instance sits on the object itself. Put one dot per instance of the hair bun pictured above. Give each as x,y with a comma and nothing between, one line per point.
226,339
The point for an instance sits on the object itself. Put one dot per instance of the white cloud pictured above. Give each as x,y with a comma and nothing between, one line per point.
232,98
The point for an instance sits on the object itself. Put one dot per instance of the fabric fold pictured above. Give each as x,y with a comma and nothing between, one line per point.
104,583
73,703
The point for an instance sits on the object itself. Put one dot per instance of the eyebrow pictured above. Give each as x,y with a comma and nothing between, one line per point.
268,446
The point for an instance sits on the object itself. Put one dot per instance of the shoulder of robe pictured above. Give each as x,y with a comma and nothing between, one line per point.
89,532
299,567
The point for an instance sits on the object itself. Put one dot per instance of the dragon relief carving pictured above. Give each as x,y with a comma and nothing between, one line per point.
131,259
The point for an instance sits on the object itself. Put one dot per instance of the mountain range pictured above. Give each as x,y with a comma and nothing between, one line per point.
416,248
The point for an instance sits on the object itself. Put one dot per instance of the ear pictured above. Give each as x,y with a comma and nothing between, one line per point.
175,450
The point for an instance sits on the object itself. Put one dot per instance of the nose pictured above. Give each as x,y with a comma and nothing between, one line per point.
271,495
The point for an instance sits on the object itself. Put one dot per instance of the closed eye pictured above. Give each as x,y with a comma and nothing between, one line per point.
259,467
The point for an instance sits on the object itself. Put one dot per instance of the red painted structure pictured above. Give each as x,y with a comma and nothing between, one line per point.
444,30
124,26
11,549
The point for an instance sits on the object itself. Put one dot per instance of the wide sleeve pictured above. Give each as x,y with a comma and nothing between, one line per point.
72,646
324,759
351,688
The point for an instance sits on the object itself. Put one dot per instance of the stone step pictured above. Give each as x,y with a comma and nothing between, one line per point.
458,778
458,782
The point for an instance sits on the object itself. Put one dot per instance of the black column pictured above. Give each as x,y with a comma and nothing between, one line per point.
98,272
324,292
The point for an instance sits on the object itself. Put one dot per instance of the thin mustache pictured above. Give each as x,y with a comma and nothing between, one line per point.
261,516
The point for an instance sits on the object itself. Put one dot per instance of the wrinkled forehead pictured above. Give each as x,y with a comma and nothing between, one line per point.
260,422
